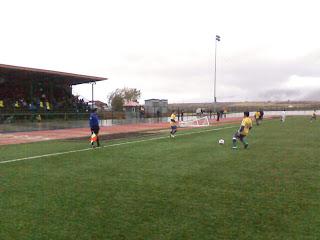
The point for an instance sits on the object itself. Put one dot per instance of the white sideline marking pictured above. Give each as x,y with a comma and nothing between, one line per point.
107,146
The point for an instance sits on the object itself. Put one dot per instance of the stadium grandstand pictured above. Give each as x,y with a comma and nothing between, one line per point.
31,90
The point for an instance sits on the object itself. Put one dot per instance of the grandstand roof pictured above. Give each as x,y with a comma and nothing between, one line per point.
8,72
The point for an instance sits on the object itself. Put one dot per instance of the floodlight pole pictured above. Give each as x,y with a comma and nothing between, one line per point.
92,99
215,73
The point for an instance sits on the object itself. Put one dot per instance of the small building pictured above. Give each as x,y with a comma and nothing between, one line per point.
131,106
131,109
101,106
156,107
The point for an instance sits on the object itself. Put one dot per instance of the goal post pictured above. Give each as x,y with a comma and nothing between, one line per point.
195,122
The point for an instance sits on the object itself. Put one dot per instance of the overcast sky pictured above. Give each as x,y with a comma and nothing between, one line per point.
269,50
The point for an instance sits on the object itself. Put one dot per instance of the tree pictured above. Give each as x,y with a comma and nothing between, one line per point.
119,96
117,103
131,94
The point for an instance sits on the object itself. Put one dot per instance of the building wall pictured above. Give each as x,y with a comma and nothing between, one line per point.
154,106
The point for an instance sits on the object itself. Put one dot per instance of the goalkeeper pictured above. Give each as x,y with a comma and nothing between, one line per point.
243,131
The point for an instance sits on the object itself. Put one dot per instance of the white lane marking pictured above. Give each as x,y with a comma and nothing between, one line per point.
108,146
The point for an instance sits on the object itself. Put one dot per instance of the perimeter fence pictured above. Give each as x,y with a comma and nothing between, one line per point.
16,122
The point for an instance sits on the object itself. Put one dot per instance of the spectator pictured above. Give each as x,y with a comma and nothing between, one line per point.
225,113
221,113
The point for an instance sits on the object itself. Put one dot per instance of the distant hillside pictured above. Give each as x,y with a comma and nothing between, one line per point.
250,106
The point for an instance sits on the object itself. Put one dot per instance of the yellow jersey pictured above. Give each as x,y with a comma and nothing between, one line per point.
173,117
257,115
17,105
247,124
48,106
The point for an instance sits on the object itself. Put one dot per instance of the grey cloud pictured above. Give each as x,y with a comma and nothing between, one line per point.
248,77
314,95
266,78
281,94
293,95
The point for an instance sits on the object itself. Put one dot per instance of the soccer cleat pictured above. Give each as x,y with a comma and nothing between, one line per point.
234,147
246,145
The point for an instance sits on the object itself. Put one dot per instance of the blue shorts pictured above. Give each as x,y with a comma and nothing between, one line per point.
174,127
240,136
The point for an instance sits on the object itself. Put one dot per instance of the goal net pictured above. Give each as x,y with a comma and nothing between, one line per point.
196,122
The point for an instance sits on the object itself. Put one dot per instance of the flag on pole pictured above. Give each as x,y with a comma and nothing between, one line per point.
93,138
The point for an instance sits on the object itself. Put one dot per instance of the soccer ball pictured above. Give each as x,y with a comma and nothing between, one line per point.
221,141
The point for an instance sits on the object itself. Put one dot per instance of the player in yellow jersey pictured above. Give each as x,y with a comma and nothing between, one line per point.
173,124
243,131
257,117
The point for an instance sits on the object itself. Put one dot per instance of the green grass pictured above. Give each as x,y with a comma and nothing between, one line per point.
189,187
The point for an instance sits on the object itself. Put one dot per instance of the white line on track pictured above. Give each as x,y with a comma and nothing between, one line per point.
108,146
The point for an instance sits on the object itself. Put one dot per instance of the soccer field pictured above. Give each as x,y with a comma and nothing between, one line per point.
189,187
